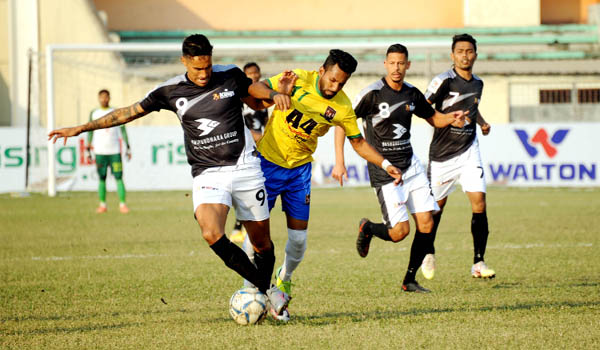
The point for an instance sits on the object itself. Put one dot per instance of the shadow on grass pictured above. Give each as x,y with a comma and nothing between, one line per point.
310,320
79,329
336,317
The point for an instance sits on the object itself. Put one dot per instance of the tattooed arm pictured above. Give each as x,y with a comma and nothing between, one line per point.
116,117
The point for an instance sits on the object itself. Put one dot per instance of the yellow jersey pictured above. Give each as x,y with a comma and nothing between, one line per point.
290,137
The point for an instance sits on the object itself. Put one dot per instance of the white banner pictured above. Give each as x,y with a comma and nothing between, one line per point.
513,155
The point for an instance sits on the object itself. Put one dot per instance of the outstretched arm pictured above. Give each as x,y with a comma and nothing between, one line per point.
366,151
117,117
440,120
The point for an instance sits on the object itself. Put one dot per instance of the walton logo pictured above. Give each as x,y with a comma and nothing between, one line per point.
541,137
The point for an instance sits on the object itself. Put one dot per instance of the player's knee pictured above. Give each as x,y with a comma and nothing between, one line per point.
479,206
118,176
211,235
297,240
425,226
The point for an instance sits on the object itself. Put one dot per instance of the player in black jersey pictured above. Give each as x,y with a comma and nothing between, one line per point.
255,121
454,152
386,108
208,100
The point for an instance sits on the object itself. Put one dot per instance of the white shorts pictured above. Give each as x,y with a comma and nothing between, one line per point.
465,169
413,195
243,189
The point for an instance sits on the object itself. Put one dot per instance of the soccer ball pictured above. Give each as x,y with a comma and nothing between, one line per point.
248,306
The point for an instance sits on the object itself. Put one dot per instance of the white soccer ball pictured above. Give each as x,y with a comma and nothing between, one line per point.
248,306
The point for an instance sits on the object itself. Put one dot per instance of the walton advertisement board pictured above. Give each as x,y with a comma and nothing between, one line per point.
564,155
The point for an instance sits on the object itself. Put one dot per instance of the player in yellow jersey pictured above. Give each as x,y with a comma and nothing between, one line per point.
290,139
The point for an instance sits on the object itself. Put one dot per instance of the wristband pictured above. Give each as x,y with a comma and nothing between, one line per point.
385,164
272,94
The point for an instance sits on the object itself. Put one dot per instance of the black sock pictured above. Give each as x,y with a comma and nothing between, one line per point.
265,262
479,230
417,253
430,249
378,230
235,258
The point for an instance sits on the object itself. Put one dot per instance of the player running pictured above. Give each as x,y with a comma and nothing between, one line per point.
290,139
107,148
386,108
454,152
208,100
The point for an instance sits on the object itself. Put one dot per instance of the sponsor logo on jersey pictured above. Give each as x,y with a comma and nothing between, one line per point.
223,95
329,113
542,138
435,85
410,107
206,125
399,130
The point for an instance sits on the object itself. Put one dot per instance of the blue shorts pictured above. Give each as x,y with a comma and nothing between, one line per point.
293,185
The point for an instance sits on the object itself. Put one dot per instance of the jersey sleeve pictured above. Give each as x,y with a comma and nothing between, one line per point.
155,100
422,108
363,104
242,82
273,81
347,121
436,90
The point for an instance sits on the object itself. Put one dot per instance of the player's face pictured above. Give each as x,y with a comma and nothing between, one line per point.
396,65
332,80
253,73
199,69
463,55
104,99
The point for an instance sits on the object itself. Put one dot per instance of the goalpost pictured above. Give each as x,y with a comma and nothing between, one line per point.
221,47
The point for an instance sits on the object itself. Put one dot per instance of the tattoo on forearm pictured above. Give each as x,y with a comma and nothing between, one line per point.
116,117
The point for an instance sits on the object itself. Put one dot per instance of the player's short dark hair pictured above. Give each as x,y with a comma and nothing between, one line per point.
250,65
103,91
397,48
464,37
344,60
196,45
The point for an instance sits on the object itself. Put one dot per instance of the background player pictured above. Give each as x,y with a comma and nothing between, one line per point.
454,152
386,108
290,139
221,152
107,148
256,122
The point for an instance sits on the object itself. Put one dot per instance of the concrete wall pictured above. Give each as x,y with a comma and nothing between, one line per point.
560,11
501,13
286,14
78,75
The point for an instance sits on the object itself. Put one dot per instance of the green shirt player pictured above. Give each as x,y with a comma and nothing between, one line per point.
107,148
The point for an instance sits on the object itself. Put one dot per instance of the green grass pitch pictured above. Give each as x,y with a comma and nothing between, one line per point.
72,279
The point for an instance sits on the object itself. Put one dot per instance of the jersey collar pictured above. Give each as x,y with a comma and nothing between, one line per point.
317,86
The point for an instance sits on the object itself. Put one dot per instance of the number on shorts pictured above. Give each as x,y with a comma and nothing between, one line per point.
480,168
260,196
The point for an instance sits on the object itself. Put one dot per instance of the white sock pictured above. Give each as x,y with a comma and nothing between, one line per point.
294,252
249,250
